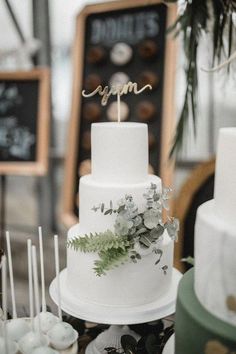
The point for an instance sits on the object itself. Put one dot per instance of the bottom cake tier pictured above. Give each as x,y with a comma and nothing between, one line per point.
196,330
129,284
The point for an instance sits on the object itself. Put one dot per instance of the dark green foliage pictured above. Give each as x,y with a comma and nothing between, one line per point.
129,344
97,242
110,259
192,23
113,250
152,341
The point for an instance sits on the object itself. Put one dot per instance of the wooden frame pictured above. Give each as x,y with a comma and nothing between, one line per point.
166,166
182,203
40,165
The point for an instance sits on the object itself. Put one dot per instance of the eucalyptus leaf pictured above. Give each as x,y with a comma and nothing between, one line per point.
145,241
141,231
157,232
121,208
109,211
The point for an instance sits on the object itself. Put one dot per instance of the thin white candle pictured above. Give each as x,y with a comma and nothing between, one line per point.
4,301
118,105
5,336
36,286
57,268
9,255
44,307
30,280
4,287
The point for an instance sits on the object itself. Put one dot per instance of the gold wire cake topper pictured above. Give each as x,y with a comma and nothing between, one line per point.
116,90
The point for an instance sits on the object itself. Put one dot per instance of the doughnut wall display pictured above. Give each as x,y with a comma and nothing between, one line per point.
118,42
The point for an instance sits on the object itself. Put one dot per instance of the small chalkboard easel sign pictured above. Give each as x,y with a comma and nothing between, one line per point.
24,122
117,42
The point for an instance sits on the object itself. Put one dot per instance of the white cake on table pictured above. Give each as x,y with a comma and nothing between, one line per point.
205,319
119,167
215,236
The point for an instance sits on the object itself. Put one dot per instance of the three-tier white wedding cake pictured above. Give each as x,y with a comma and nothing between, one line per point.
119,167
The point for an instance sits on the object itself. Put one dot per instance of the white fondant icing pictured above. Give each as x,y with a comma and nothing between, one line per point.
225,177
119,167
215,265
129,284
119,152
92,193
215,235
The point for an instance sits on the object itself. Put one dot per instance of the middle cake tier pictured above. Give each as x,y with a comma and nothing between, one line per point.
92,194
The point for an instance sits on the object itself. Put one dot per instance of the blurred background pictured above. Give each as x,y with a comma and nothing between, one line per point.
31,201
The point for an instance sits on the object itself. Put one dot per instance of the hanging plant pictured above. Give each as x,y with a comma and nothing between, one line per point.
197,17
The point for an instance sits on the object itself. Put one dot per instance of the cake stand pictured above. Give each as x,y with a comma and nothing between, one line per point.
118,316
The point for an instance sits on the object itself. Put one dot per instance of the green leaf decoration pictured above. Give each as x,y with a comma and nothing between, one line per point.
121,208
157,232
145,241
160,253
110,259
152,344
109,211
141,231
193,23
131,228
97,242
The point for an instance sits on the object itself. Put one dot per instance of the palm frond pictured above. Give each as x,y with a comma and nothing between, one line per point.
99,241
110,259
192,22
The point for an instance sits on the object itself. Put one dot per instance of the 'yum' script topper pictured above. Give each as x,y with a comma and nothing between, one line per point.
118,91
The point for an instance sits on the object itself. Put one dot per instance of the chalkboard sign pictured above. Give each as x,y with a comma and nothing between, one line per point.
117,42
24,122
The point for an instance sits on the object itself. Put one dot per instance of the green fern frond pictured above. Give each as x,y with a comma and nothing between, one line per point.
110,259
99,242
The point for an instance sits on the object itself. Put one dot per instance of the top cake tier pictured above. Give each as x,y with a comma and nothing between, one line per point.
225,176
119,152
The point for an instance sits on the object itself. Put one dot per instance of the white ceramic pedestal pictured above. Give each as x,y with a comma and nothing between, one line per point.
160,308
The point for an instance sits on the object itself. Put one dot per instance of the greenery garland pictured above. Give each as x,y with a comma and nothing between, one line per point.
196,18
133,232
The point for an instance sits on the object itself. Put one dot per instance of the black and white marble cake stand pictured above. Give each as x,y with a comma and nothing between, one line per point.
120,316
